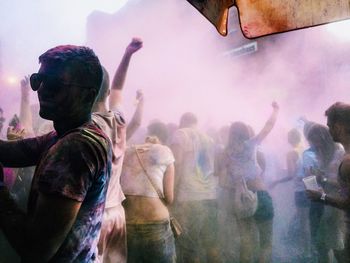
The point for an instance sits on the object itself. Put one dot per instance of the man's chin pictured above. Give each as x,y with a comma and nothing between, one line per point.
46,115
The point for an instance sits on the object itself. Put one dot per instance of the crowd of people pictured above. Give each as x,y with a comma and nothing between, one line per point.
73,188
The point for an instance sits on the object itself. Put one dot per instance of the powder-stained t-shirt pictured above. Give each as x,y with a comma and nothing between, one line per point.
77,166
114,126
196,178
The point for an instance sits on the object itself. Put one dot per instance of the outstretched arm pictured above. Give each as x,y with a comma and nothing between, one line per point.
269,124
292,159
136,120
120,74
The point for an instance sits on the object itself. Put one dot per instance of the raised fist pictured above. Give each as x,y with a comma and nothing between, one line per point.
135,45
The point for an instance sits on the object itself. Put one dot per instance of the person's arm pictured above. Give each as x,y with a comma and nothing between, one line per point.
268,125
261,160
22,153
25,114
292,159
62,186
168,184
136,119
342,202
120,75
39,238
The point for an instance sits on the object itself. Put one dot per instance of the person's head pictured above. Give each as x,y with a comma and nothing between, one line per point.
104,90
187,120
251,131
294,137
307,126
68,82
320,138
338,121
238,133
159,130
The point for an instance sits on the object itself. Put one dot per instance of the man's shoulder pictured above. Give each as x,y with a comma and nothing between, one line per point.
109,117
87,134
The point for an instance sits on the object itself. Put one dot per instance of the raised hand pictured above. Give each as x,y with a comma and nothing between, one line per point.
25,87
14,133
139,95
275,105
135,45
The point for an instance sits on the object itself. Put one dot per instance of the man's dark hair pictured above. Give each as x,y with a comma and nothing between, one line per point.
187,120
103,93
83,64
339,112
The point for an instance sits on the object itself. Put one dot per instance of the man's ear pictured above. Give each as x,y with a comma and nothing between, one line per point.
337,128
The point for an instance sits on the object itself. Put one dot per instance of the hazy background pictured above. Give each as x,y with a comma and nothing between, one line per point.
183,66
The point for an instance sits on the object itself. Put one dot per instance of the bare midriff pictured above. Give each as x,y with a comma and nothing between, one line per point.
143,210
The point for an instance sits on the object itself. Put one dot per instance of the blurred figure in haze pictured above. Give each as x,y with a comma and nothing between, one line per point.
2,121
69,187
239,162
338,121
298,229
322,159
112,242
195,200
148,183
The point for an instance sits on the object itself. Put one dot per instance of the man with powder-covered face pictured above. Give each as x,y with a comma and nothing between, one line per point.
68,192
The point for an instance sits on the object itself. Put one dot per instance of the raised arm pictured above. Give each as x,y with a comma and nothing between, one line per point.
269,124
136,119
120,75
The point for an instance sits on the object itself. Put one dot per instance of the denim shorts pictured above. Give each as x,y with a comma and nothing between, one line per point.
150,243
265,210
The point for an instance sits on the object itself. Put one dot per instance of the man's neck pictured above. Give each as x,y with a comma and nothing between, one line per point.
346,144
63,126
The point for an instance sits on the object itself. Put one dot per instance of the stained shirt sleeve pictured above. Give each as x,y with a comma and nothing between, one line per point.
70,167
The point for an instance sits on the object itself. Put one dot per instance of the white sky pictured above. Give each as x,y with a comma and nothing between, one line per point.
30,27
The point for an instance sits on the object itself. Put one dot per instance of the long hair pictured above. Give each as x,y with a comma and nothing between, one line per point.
238,134
320,138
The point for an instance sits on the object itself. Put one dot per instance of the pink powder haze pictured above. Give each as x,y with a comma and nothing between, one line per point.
185,65
182,66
